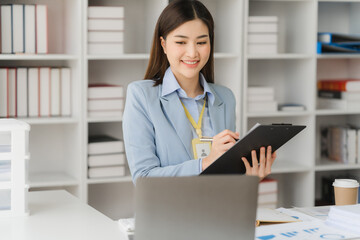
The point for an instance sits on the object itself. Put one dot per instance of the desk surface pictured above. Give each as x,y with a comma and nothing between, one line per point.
59,215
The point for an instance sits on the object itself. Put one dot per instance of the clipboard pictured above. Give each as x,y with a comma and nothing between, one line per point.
274,135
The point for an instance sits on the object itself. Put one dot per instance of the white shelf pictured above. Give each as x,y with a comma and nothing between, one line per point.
282,166
336,56
104,119
51,179
133,56
280,56
329,112
39,57
5,156
328,165
51,120
126,179
278,114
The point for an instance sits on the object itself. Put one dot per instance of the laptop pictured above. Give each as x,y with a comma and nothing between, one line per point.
206,207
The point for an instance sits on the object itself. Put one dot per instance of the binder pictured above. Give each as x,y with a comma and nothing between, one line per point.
274,135
328,37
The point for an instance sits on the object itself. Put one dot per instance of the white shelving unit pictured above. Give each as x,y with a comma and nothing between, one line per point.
59,145
294,72
14,153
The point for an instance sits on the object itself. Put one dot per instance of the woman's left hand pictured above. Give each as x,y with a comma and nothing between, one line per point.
260,168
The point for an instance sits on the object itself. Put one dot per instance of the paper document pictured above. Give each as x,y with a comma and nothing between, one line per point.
271,216
310,230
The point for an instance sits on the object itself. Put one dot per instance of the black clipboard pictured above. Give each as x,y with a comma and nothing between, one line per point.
274,135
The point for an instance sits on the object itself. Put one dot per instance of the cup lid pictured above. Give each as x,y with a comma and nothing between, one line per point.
346,183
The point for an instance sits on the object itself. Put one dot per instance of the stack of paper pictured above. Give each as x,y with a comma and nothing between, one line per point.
345,217
262,35
261,99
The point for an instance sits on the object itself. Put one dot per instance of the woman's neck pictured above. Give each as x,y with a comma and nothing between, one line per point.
191,87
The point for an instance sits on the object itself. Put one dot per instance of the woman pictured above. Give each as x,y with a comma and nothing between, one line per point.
177,104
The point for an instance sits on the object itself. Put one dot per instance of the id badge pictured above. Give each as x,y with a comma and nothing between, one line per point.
200,149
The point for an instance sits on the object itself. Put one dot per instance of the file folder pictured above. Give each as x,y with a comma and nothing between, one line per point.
275,135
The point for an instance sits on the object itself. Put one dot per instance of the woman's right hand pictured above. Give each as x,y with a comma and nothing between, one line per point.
220,144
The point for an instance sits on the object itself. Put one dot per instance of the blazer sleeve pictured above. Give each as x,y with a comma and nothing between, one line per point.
139,139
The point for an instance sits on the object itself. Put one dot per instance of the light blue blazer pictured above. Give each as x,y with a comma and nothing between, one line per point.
158,135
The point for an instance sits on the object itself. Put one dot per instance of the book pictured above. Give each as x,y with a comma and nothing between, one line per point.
18,28
262,28
262,38
33,92
106,160
103,91
106,113
6,29
4,96
105,104
339,104
55,92
260,97
266,106
44,94
65,81
339,95
29,29
41,29
291,107
334,48
105,48
329,37
12,92
268,185
267,198
22,92
263,19
260,90
271,216
105,12
105,37
350,85
262,48
104,144
105,24
103,172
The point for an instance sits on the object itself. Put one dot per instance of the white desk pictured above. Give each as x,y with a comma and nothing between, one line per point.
59,215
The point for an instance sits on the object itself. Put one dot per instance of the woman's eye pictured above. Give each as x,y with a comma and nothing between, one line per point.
180,43
201,43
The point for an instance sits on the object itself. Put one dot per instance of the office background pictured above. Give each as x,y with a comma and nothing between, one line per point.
59,145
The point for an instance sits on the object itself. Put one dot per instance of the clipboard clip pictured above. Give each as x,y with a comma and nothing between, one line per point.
282,124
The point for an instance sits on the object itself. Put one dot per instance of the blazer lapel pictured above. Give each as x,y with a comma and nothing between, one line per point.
176,115
217,113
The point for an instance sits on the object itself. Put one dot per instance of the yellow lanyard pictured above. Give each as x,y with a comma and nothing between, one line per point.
197,126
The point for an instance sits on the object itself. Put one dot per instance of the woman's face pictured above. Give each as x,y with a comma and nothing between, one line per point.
187,49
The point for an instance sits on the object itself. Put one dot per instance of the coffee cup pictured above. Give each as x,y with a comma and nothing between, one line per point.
346,191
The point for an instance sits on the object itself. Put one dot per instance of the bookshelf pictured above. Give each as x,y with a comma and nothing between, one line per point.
293,72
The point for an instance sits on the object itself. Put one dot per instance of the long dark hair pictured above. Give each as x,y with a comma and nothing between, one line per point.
175,14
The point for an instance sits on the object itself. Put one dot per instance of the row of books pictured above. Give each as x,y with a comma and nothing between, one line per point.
105,100
343,94
106,157
105,30
263,35
24,29
35,92
341,144
268,193
330,42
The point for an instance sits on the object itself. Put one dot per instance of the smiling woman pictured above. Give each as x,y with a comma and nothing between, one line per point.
168,114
